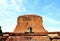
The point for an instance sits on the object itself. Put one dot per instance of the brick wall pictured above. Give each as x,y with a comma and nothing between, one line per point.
30,37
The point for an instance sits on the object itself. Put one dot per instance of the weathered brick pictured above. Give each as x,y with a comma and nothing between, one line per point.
34,21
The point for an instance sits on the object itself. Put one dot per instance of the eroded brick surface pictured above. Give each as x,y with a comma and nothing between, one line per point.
55,39
34,21
28,38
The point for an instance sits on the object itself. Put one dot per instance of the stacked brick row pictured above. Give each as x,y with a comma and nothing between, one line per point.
31,37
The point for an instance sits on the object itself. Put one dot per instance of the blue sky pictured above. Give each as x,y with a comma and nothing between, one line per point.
48,9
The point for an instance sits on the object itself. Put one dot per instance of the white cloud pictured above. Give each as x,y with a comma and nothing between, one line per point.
51,24
13,6
50,20
0,13
3,2
7,13
8,24
53,29
8,27
8,20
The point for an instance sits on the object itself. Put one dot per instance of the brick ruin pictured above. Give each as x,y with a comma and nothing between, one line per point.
30,28
26,21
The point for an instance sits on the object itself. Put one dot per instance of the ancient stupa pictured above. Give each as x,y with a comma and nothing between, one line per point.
33,22
29,28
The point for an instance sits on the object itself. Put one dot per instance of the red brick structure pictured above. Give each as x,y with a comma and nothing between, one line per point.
30,28
26,21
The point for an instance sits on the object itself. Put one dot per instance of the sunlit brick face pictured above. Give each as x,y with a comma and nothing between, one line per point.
26,21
